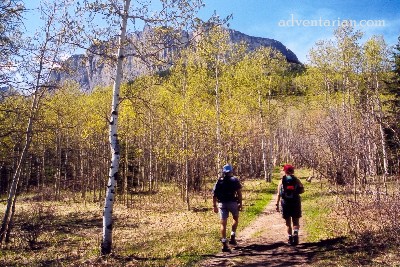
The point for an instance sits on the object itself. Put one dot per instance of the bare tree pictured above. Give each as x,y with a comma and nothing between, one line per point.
42,57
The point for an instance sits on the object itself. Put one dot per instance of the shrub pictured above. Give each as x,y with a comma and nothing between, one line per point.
33,221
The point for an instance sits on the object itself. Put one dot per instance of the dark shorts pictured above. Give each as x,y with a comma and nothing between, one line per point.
228,207
290,209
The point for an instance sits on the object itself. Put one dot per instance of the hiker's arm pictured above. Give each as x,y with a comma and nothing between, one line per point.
215,204
240,199
278,196
301,186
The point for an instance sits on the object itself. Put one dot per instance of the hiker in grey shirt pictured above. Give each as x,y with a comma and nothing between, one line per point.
227,198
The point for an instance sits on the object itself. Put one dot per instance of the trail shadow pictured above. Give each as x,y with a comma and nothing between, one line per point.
75,222
57,261
259,247
201,209
276,254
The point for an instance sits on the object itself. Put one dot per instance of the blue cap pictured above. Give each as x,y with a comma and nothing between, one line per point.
227,168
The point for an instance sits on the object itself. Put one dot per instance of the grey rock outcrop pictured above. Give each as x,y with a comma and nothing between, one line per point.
90,70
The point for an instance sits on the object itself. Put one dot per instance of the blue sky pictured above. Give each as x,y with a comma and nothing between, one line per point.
290,21
264,18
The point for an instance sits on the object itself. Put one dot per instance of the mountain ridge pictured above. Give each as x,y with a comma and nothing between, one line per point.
89,71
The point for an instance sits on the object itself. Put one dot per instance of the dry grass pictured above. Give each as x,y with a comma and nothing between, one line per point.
155,230
349,232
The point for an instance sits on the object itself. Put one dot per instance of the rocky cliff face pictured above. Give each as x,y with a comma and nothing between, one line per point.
90,71
255,42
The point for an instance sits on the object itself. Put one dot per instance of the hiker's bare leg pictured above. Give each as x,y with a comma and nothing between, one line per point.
223,228
296,224
289,225
235,223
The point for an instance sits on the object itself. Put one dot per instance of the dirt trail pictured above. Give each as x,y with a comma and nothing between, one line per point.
263,243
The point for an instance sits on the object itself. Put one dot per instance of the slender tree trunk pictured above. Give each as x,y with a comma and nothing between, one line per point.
12,196
263,141
82,174
151,152
57,177
270,141
218,115
66,163
186,168
126,170
11,222
41,182
185,130
106,244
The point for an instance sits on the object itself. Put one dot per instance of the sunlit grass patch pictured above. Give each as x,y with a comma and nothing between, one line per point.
319,208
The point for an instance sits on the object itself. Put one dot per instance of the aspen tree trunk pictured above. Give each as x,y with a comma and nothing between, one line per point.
12,196
66,163
57,175
28,173
270,141
384,155
82,164
41,182
263,141
218,111
185,143
383,142
151,152
125,181
106,244
186,168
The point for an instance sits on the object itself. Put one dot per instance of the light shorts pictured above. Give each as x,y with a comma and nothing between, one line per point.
225,207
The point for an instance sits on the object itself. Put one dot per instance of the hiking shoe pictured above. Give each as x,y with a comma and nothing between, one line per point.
225,247
295,240
232,241
290,240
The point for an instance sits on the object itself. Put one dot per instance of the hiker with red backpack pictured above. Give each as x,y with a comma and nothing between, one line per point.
289,202
227,198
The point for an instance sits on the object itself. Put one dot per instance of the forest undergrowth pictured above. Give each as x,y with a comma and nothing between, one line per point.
156,229
351,230
153,229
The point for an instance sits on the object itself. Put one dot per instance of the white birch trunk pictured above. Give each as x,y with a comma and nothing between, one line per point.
218,115
263,141
106,244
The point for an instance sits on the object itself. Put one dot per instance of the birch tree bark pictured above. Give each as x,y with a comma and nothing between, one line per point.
106,243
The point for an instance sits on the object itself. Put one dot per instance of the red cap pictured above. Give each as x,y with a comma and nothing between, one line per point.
288,168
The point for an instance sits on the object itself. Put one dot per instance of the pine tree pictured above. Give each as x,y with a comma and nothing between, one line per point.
393,84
